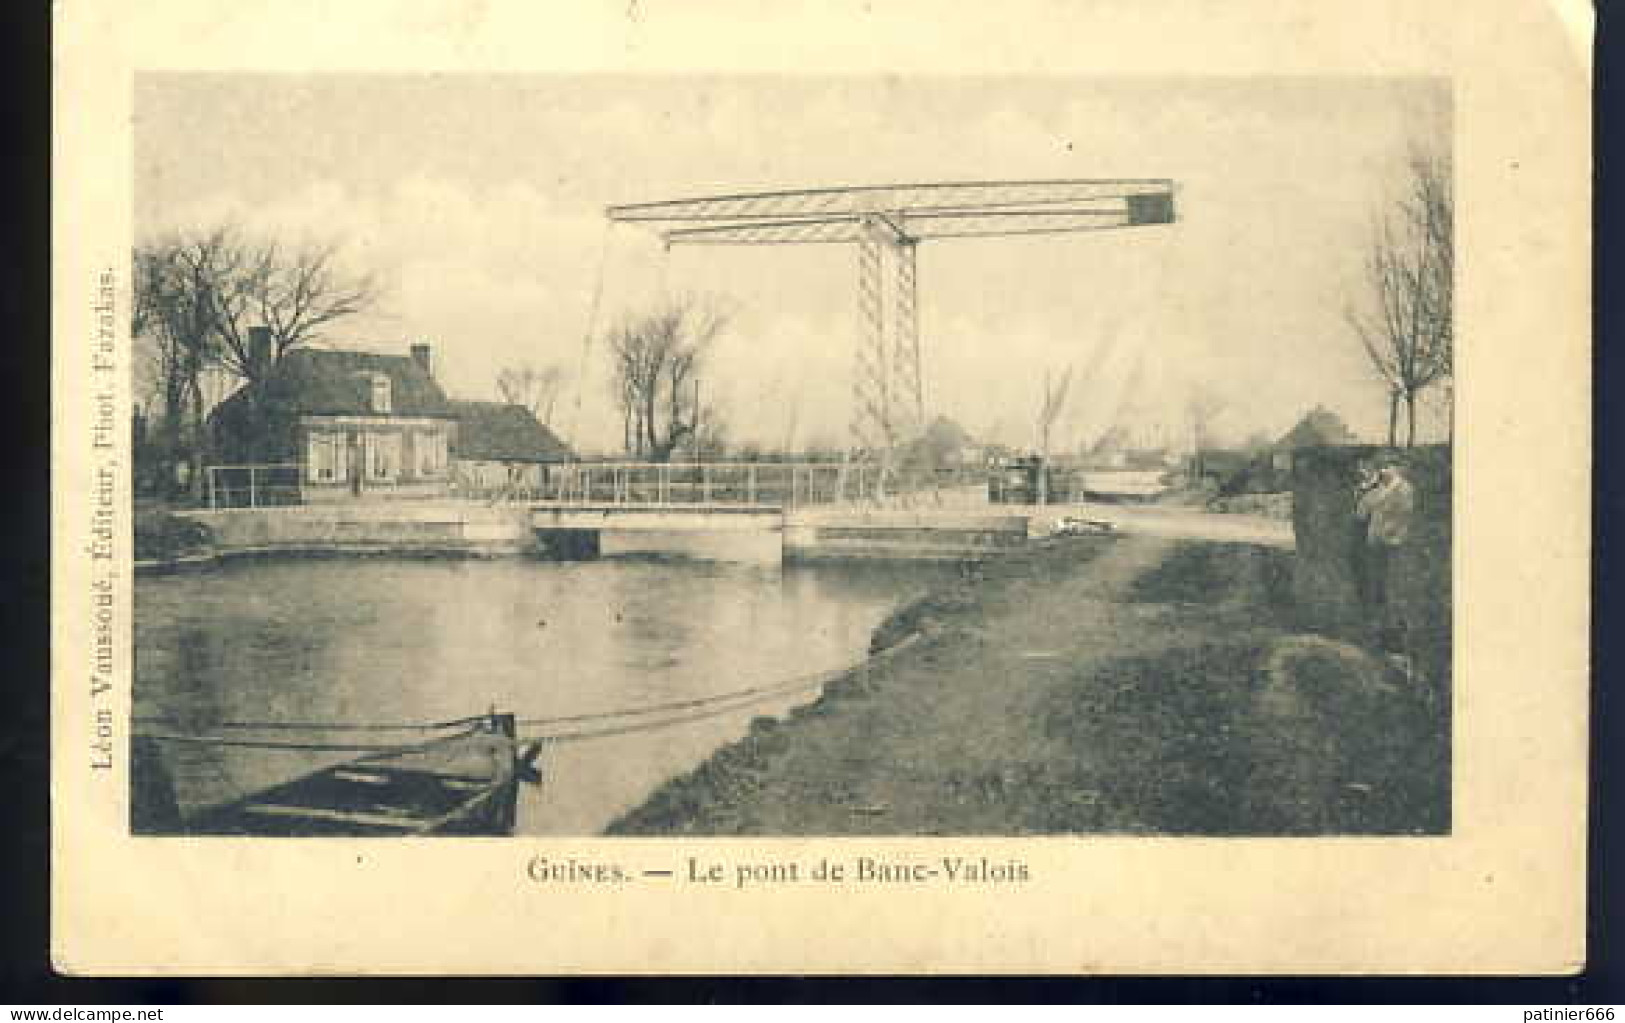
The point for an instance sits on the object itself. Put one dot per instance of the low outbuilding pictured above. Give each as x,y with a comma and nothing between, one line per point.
499,448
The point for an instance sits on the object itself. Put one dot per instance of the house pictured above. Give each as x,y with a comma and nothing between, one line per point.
1319,428
1268,471
499,447
339,425
944,444
1118,448
1228,470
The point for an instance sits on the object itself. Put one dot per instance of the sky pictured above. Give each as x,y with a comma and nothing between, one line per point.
479,201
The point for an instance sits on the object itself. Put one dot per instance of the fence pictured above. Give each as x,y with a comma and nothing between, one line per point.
775,484
779,484
253,486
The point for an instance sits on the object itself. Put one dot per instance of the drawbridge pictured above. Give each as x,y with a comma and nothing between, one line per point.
885,224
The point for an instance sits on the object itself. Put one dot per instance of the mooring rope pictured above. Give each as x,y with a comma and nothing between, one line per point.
789,685
651,726
307,747
325,726
713,706
733,701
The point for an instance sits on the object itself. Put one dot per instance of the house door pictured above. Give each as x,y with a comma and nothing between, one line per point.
358,460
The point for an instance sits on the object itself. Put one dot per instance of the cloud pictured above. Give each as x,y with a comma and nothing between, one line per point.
480,201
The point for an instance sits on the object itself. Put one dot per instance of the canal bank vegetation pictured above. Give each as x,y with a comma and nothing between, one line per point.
162,537
1135,685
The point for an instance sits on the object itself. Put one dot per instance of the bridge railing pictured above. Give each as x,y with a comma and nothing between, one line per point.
776,484
252,486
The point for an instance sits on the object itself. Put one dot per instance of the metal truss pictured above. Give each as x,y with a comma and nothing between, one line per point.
872,425
881,220
938,207
908,393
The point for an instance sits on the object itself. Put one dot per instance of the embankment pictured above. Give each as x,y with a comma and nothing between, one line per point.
1139,685
428,528
165,539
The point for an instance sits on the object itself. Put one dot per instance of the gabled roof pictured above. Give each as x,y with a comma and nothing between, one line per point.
318,381
946,433
491,431
1115,438
1319,428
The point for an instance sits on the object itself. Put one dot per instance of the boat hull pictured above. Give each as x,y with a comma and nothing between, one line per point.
465,785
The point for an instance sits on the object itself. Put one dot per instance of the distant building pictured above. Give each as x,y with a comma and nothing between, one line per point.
1319,428
499,447
1227,469
1118,448
944,444
353,423
1269,470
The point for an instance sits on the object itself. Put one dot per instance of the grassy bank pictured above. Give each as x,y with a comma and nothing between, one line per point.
163,536
1132,686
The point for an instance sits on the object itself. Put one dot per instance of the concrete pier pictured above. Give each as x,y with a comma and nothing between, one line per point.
812,533
764,532
659,518
848,532
453,527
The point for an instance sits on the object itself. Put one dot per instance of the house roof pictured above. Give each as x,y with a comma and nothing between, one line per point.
1119,440
317,381
1115,438
491,431
1319,428
946,433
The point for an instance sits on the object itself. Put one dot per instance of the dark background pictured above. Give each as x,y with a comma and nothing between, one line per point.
25,973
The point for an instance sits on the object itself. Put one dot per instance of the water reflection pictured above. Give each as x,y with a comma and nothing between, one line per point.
385,641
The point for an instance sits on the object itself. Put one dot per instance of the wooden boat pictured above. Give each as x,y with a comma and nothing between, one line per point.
463,785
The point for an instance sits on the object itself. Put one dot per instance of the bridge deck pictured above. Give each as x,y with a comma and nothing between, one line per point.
635,508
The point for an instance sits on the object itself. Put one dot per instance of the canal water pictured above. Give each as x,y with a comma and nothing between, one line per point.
392,640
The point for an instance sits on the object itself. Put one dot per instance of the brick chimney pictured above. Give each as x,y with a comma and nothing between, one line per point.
421,356
259,351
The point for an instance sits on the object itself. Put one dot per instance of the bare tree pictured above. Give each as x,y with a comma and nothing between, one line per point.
657,361
296,293
1203,405
535,388
198,293
1408,326
182,281
792,419
709,441
1048,411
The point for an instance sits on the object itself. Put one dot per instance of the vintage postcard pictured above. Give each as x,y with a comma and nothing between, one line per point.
821,488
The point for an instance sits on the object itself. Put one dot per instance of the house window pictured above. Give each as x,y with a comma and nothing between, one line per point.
314,455
380,393
324,457
385,456
431,453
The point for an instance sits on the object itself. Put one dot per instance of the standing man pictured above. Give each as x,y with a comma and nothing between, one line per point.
1385,506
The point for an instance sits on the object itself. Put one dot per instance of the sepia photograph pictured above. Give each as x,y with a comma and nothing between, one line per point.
599,454
819,489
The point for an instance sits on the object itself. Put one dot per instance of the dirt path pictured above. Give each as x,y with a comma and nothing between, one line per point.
1090,687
